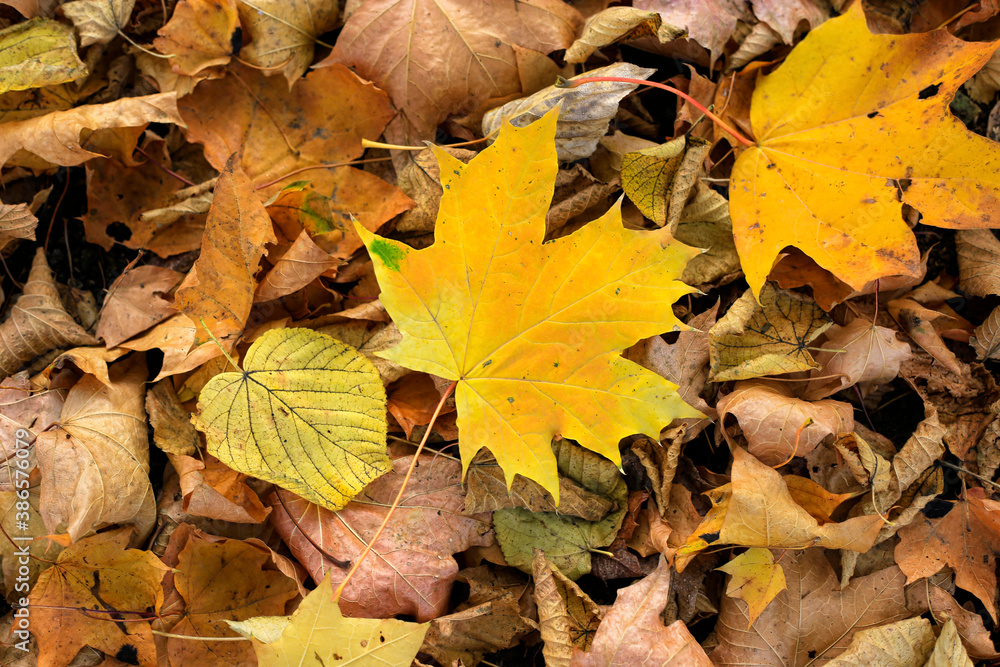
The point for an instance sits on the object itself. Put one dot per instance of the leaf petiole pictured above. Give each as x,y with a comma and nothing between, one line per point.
573,83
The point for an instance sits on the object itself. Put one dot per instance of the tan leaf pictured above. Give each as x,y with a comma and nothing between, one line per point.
567,617
618,24
705,223
215,491
710,23
757,510
283,32
811,620
584,113
986,338
978,261
859,353
964,538
658,180
784,16
969,624
904,643
469,42
199,35
923,324
220,287
761,39
16,222
95,464
410,569
38,322
767,338
777,425
172,429
176,338
302,263
632,634
135,303
98,21
55,138
948,650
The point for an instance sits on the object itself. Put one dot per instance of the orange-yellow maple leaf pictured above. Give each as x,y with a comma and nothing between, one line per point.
845,119
532,332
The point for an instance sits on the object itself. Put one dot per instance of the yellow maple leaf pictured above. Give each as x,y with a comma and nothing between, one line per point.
845,118
755,578
532,332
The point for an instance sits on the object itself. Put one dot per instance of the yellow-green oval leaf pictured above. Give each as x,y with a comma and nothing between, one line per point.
306,413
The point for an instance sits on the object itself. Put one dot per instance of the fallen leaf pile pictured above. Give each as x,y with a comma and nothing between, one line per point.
704,378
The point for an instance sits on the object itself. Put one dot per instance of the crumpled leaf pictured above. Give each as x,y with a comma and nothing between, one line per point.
562,344
618,24
704,223
38,322
948,649
710,23
486,491
756,579
567,617
978,261
964,539
325,452
199,35
756,510
95,464
172,429
904,643
283,33
302,263
925,315
214,490
806,185
811,619
472,41
784,16
317,634
768,337
566,540
770,418
55,138
632,634
215,581
969,624
135,303
985,338
658,180
859,353
176,338
16,222
410,569
99,574
219,289
584,111
38,53
98,21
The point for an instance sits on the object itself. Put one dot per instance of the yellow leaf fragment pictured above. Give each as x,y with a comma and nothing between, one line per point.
38,53
306,413
532,332
318,635
284,32
755,578
839,125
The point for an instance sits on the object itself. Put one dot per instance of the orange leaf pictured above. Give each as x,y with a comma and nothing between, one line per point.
199,35
846,116
533,333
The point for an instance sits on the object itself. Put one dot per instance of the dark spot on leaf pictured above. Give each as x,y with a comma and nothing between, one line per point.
236,42
710,537
510,399
873,114
128,654
929,91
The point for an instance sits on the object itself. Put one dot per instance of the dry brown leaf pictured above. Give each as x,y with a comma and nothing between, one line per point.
965,538
95,464
632,634
567,617
98,21
705,223
904,643
283,33
55,138
618,24
38,322
757,510
925,314
467,45
948,650
710,23
767,338
777,425
215,491
978,261
969,625
135,303
584,114
176,338
172,429
199,35
986,337
302,263
761,39
784,16
859,353
16,222
410,569
219,289
810,620
577,193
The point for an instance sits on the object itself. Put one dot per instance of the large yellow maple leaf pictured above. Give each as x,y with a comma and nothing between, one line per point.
851,126
532,331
